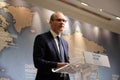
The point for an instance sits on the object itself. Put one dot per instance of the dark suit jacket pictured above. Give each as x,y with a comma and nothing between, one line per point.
45,56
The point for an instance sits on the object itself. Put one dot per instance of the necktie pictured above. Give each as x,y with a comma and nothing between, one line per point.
61,50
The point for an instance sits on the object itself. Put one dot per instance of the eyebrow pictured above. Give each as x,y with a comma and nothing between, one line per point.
58,19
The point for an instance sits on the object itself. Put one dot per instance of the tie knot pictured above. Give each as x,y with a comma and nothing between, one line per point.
58,38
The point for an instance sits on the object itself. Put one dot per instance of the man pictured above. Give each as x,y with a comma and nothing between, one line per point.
47,53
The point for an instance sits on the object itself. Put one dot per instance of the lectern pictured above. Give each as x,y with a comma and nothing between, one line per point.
87,69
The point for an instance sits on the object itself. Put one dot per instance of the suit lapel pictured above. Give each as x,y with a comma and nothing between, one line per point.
56,49
53,44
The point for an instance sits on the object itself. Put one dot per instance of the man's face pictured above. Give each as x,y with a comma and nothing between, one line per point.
58,23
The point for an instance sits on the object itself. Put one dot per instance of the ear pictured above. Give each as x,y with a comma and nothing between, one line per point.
50,22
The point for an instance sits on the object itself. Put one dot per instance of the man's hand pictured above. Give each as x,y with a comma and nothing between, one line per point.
61,64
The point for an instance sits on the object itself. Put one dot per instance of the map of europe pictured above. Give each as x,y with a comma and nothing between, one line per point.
20,16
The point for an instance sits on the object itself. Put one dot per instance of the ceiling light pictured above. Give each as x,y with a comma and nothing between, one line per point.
84,4
101,10
118,18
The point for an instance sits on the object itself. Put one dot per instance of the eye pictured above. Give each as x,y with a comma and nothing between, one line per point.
59,20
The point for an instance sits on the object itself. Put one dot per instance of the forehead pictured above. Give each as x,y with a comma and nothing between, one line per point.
59,15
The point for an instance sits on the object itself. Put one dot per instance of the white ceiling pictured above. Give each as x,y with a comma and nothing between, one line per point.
111,6
75,10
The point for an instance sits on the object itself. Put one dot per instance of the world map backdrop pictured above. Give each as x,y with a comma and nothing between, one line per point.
20,22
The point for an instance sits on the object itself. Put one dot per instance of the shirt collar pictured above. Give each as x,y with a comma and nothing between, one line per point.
53,33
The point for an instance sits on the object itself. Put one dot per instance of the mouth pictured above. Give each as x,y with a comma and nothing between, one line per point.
62,25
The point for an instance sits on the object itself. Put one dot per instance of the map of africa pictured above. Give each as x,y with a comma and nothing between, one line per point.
20,16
